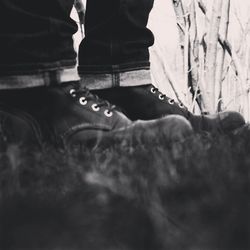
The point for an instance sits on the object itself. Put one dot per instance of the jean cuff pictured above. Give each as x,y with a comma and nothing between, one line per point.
122,79
41,79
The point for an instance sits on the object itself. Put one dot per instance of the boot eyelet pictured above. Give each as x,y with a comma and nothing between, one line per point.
95,107
83,101
181,105
72,92
108,113
171,101
153,90
161,97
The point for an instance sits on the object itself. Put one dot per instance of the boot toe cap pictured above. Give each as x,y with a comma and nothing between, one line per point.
231,120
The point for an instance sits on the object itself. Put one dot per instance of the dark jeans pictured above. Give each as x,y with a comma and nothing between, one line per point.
116,39
36,36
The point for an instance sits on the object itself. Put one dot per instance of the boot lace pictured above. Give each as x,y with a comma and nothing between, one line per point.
84,96
162,97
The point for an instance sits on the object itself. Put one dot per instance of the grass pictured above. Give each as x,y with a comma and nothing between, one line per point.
189,195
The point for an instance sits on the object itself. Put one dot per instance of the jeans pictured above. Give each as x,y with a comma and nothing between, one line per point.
37,46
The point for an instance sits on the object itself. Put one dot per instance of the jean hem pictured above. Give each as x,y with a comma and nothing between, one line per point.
47,78
121,79
110,69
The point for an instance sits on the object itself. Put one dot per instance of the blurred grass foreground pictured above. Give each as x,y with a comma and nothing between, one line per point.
189,195
161,195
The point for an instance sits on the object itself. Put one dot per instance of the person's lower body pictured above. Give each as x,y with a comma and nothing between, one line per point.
40,95
114,64
37,53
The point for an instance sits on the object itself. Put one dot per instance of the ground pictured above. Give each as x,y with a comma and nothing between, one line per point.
188,195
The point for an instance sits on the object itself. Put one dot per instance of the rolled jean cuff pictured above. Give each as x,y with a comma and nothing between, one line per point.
46,78
122,79
114,68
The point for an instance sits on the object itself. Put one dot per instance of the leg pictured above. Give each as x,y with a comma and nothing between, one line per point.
38,87
116,36
36,37
116,43
114,63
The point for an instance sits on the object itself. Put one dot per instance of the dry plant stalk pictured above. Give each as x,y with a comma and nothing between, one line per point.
167,71
221,52
186,65
247,63
189,44
239,72
225,43
206,64
211,56
80,8
194,61
182,20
